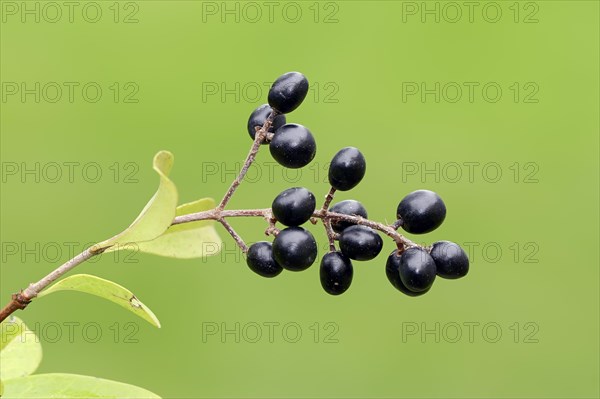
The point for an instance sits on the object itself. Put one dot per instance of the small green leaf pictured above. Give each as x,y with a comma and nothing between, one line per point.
187,240
71,386
156,216
104,289
20,349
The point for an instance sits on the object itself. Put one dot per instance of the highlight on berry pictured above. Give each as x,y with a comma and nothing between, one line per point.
410,268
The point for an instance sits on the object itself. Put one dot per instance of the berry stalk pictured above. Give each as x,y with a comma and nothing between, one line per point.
259,137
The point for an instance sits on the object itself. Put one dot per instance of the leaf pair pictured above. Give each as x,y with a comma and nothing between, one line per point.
20,355
151,232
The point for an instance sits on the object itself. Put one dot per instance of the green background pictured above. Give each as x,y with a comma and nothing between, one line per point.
358,65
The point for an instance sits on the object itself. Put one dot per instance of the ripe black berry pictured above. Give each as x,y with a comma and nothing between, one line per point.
392,271
288,92
360,243
294,206
450,259
260,259
293,146
258,118
347,169
295,249
347,207
421,211
336,273
417,269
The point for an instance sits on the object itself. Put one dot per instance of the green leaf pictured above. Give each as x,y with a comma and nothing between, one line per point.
20,349
71,386
187,240
156,216
104,289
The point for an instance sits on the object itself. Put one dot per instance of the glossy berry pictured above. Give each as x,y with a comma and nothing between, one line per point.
294,206
417,269
421,211
293,146
336,273
347,169
450,259
260,259
392,271
295,249
347,207
288,92
258,118
360,243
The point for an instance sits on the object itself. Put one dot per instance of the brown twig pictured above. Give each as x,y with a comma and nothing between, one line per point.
22,299
17,302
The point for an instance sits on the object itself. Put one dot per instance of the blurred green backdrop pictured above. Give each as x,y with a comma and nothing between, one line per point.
494,106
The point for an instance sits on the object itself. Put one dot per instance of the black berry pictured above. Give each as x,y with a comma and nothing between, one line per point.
288,92
347,207
392,271
347,169
258,118
294,206
450,259
295,249
336,273
293,146
360,243
417,269
260,259
421,211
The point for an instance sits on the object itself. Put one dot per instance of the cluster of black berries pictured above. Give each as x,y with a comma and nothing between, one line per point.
414,270
411,270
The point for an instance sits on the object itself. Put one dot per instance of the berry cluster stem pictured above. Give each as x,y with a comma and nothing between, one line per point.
260,136
331,235
328,199
22,299
240,242
326,217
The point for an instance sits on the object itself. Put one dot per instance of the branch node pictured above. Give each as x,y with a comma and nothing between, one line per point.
96,250
20,301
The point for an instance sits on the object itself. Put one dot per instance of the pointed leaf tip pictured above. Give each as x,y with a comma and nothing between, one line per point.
156,216
163,162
